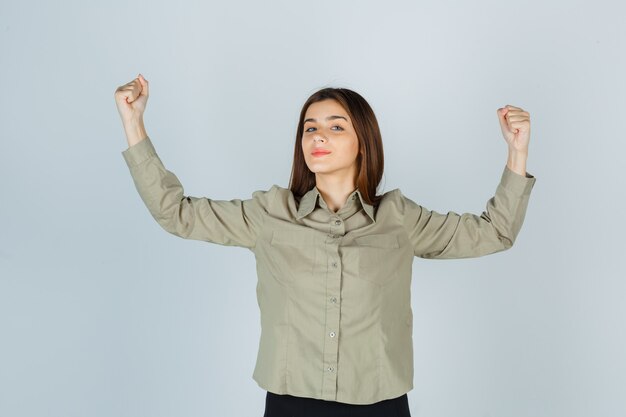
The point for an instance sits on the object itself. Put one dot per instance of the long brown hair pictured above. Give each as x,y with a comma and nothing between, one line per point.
366,127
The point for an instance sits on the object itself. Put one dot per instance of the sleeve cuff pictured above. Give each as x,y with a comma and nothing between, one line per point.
520,184
139,152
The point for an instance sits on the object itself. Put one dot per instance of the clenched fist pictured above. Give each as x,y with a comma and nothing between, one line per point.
131,99
515,125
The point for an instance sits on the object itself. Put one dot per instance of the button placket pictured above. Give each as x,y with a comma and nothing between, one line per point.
333,288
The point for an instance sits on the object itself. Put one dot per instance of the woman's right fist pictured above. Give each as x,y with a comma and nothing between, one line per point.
131,99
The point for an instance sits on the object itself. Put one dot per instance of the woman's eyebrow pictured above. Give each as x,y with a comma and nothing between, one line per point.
333,117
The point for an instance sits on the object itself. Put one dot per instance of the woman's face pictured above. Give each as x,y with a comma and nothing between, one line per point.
328,127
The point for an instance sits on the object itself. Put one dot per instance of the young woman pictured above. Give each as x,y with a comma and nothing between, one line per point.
334,259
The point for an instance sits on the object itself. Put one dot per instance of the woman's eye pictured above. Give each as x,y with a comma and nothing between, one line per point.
308,130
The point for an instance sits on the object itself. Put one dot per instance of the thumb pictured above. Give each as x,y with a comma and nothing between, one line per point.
144,85
501,113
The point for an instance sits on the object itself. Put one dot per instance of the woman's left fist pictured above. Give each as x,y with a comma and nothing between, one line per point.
515,125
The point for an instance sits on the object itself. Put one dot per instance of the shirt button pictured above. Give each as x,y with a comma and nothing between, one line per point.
330,368
332,334
334,264
333,299
337,222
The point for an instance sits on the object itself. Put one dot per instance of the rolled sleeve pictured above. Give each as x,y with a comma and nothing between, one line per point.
139,152
518,184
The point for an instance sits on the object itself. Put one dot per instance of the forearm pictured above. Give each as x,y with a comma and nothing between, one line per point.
135,131
517,161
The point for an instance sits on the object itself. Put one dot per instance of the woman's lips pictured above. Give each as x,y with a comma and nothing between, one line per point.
320,153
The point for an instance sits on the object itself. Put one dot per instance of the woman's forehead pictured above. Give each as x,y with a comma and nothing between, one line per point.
326,108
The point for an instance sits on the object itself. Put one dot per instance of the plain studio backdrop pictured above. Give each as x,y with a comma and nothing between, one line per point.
103,313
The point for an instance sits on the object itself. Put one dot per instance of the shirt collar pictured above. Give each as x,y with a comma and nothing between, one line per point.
309,200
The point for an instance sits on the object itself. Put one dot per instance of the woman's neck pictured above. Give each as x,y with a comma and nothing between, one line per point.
335,191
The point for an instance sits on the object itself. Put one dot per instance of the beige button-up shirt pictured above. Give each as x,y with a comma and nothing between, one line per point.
333,287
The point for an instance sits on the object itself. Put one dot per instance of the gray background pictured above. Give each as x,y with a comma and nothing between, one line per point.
103,313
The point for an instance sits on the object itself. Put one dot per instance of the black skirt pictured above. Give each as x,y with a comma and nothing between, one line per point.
277,405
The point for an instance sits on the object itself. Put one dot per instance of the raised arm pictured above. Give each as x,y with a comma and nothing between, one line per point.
226,222
233,222
452,235
444,236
